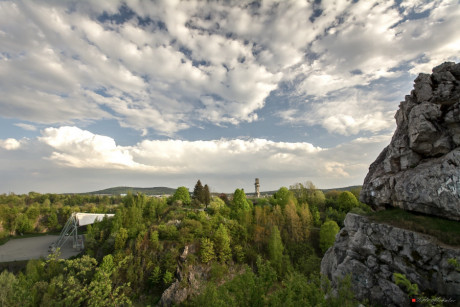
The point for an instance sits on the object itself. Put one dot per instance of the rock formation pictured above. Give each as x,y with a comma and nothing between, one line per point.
371,252
420,169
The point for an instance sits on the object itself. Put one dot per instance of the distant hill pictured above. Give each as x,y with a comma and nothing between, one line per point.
125,190
170,191
342,189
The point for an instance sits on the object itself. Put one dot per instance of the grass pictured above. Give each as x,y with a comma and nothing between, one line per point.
446,231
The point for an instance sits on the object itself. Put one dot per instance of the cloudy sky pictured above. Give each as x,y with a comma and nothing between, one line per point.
95,94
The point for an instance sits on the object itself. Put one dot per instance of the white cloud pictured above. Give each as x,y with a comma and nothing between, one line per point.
10,144
60,62
83,149
26,126
347,112
73,148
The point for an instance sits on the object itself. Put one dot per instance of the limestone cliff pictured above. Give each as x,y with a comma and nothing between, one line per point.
420,169
372,252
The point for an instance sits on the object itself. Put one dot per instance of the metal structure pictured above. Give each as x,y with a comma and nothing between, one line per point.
257,186
70,229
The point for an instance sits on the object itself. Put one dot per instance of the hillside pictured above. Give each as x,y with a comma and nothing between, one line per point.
170,191
125,190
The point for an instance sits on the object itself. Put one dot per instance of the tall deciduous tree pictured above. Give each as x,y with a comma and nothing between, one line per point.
283,196
275,249
182,194
240,202
347,201
327,234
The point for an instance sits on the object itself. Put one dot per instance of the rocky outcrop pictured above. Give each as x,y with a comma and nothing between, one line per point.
188,283
420,169
372,252
191,278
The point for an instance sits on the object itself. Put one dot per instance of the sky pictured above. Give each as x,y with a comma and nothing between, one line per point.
96,94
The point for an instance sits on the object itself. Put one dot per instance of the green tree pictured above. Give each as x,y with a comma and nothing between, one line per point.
314,195
8,283
198,194
155,278
101,290
206,195
283,196
308,193
23,224
182,194
240,201
52,220
239,253
155,240
347,201
207,250
120,238
315,216
222,244
327,234
275,250
167,278
216,203
293,223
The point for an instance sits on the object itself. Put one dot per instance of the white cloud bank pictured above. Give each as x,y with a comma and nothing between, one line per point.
74,148
174,65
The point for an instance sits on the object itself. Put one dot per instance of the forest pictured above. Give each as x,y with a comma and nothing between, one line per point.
221,250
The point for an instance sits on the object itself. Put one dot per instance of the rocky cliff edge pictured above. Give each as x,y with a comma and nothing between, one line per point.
420,169
372,252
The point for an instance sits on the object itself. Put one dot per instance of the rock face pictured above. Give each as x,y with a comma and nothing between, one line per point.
420,169
371,252
188,280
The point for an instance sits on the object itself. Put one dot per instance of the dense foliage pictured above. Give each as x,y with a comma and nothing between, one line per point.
40,213
257,252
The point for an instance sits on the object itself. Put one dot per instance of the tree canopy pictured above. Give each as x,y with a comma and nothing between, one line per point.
182,194
327,234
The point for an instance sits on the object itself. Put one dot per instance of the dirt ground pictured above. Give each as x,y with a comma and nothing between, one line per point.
33,248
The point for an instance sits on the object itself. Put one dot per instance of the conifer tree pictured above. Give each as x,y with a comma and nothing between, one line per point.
207,250
198,192
222,244
206,195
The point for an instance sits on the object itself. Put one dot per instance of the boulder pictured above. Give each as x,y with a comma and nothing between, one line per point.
420,168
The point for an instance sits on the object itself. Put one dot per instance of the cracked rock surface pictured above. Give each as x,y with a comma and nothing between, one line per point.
420,169
371,252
